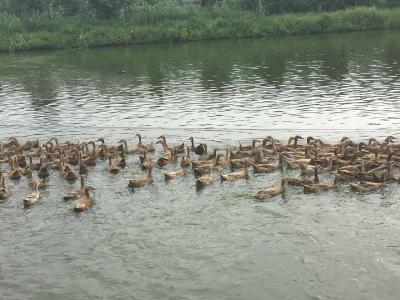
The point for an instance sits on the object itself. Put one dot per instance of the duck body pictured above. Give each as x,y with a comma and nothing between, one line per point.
235,175
140,182
32,198
204,180
270,191
175,174
366,186
4,189
85,202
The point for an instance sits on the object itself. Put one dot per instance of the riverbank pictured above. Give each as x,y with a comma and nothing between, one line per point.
180,23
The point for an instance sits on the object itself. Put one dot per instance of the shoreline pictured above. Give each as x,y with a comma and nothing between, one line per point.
17,34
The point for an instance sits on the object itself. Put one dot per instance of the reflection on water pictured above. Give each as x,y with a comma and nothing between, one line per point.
168,241
336,82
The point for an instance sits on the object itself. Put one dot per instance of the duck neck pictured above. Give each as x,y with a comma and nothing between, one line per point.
316,178
82,182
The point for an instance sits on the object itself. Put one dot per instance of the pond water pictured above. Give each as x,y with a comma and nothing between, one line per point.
169,241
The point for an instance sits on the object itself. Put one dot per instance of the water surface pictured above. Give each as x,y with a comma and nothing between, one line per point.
169,241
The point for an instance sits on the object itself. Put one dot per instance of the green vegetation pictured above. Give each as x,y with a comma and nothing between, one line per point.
49,24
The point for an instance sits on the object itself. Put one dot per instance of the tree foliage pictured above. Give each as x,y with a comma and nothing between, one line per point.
107,9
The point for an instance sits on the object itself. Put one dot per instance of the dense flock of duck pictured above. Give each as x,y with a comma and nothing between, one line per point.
365,166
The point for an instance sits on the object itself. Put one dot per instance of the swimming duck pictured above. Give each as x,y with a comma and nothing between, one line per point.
43,170
83,170
318,187
71,195
204,180
366,186
235,175
4,189
199,149
248,147
267,168
43,183
125,147
139,182
174,174
145,162
186,161
141,145
298,181
271,191
34,197
14,172
85,202
112,168
68,174
177,149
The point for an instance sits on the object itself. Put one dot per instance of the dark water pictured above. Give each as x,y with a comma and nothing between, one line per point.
168,241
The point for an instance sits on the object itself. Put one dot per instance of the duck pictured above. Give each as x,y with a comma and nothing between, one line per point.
243,173
43,183
318,187
267,168
83,170
125,147
199,149
204,180
145,162
368,186
43,169
112,168
34,196
140,182
85,202
239,162
71,195
271,191
298,181
120,160
175,174
203,169
177,149
149,147
14,172
186,161
248,147
4,189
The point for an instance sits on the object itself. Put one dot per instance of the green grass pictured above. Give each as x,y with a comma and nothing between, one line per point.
162,23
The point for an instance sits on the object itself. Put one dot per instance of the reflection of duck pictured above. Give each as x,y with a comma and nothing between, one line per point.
271,191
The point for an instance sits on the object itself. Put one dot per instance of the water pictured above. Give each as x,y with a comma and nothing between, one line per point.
169,241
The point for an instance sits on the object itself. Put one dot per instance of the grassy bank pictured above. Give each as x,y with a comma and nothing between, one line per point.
179,23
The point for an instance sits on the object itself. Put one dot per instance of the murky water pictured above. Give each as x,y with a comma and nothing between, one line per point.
169,241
